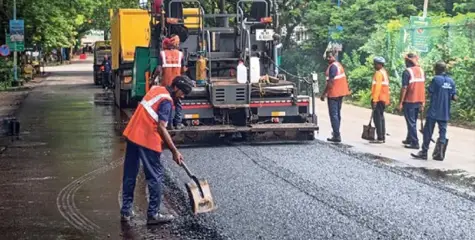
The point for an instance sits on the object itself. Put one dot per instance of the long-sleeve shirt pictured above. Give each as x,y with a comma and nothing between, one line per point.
442,90
380,87
376,87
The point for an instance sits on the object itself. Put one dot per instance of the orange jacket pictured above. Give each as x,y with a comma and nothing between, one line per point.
340,83
142,128
380,87
416,88
171,65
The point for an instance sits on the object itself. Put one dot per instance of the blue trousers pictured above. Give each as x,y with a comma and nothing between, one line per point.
153,170
429,130
411,112
105,79
178,117
334,108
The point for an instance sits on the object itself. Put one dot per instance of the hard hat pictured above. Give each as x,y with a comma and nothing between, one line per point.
183,83
379,60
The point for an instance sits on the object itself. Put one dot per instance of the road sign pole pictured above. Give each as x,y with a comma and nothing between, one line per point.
14,49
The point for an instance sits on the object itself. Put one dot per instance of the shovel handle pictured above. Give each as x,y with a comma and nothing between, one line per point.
187,170
195,179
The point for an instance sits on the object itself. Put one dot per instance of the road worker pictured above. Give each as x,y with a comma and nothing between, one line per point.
171,64
412,98
145,133
336,88
106,72
442,92
379,98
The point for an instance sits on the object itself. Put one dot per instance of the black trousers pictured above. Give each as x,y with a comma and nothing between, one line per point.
378,119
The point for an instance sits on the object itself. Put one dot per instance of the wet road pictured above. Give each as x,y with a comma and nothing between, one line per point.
63,182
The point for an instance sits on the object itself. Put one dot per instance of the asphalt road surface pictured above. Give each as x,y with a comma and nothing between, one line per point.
62,181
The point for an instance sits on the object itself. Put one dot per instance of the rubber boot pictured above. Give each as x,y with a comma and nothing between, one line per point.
439,150
420,155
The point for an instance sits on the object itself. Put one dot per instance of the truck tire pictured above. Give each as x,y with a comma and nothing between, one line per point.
122,97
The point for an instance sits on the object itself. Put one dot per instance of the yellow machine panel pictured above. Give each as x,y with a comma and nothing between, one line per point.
193,21
129,29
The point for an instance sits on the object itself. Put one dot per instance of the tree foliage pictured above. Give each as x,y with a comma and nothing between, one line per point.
59,23
372,28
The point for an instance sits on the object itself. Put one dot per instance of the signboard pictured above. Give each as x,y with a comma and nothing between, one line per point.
264,35
14,46
17,30
420,33
4,50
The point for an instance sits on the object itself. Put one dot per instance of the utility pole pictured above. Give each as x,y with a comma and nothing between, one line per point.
426,3
14,46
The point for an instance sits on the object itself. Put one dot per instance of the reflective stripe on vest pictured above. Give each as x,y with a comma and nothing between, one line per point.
142,126
413,78
171,65
385,78
147,105
340,73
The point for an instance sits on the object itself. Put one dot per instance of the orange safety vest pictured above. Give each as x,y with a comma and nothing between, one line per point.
171,66
142,128
384,91
416,88
340,83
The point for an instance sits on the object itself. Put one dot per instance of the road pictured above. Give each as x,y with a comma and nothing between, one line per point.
459,163
62,181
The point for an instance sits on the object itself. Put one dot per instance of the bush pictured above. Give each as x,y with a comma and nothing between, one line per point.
6,73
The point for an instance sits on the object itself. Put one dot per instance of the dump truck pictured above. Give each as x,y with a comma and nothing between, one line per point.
101,49
213,45
129,29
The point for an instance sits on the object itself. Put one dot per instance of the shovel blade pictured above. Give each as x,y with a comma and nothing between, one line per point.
199,203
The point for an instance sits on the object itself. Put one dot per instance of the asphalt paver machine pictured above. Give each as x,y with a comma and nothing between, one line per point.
267,104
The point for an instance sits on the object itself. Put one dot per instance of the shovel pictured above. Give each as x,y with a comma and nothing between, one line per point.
199,193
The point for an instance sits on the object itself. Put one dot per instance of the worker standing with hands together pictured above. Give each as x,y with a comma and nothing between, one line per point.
379,98
335,90
412,98
145,133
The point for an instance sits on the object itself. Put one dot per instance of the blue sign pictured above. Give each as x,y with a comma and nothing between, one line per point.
4,50
17,30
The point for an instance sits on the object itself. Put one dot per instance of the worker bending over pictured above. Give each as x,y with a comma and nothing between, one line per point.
412,98
336,88
145,134
380,98
171,64
442,91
